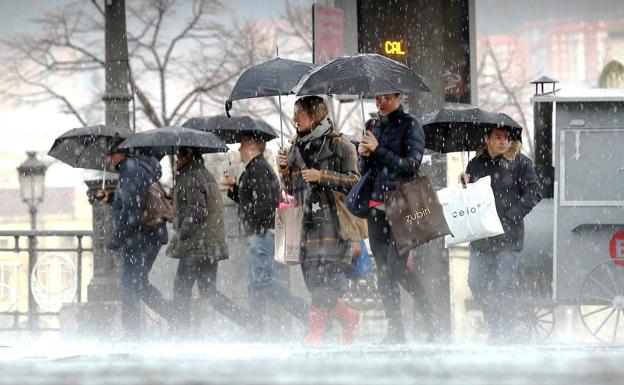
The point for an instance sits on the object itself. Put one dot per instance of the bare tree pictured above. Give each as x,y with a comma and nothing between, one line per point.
502,87
170,67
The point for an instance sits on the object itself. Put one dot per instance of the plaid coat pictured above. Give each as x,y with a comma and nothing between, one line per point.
336,159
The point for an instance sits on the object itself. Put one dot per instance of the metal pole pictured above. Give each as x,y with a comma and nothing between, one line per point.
32,261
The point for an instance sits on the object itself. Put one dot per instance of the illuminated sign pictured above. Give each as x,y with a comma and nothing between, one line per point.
393,48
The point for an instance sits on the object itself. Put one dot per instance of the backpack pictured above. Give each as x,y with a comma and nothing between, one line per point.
158,208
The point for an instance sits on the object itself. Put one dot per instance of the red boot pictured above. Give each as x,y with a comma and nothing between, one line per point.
349,319
317,322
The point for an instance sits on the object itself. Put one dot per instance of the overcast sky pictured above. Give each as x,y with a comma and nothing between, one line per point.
15,15
494,16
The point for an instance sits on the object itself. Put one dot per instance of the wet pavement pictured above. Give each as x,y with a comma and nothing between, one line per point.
49,362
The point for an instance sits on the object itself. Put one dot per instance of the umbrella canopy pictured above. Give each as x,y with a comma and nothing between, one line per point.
88,147
363,74
166,140
231,129
272,78
451,130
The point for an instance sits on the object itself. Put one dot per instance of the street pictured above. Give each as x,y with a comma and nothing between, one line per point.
163,363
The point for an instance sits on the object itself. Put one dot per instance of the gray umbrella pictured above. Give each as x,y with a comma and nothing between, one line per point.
275,77
166,140
88,147
363,74
231,129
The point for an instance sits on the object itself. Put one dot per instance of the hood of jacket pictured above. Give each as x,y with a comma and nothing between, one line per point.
514,150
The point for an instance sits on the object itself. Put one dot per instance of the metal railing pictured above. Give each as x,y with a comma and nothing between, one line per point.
41,270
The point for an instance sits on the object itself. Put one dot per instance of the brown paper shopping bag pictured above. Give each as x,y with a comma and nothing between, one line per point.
415,214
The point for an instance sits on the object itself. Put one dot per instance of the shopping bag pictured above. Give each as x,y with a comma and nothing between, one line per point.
470,212
352,228
288,222
415,214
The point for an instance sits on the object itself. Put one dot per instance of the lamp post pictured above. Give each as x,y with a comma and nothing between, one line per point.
31,174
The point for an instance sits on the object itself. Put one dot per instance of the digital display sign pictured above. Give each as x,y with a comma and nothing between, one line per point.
393,48
432,39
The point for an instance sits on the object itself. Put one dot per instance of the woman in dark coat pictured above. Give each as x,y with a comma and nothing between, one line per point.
392,149
319,162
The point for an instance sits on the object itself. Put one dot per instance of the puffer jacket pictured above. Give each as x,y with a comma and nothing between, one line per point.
136,173
399,154
516,191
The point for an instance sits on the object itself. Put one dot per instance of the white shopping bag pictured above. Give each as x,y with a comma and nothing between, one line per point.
470,212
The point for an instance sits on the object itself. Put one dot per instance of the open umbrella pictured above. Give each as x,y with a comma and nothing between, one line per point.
275,77
166,140
88,147
363,74
230,129
451,130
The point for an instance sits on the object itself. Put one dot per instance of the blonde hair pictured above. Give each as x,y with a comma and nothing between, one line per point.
314,106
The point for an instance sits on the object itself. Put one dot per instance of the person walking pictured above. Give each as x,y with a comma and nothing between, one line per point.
492,271
138,243
198,241
257,194
392,148
319,162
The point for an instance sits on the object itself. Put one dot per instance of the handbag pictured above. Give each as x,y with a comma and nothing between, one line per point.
288,222
361,264
359,196
470,212
352,228
415,214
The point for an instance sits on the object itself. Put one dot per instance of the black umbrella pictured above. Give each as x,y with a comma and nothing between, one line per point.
231,129
363,74
166,140
272,78
275,77
451,130
88,147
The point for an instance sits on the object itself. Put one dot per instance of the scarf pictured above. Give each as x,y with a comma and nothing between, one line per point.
323,128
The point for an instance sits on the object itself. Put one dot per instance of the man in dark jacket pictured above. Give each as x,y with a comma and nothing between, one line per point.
139,244
494,260
392,149
257,193
199,241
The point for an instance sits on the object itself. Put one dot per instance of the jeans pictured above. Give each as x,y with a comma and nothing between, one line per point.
204,272
492,280
262,283
391,271
135,286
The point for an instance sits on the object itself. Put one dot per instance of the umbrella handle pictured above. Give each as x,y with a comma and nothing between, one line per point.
279,97
363,116
228,107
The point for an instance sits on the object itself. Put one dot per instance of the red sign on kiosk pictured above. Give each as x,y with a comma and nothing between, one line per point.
616,248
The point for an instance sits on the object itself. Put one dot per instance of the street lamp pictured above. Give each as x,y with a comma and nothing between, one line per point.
32,184
31,174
